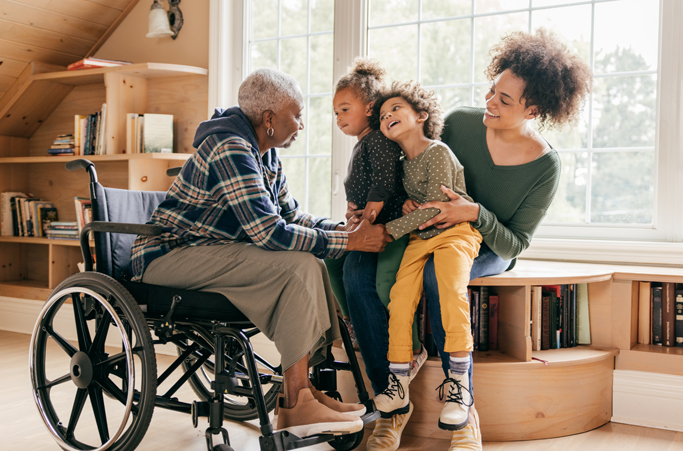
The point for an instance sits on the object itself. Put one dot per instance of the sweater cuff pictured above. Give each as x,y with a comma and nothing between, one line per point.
484,218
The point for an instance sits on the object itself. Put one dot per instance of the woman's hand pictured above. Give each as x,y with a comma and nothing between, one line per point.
455,211
409,206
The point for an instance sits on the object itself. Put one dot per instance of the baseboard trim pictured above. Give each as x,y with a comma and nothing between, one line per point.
648,399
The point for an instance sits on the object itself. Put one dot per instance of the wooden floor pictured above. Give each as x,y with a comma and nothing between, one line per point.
22,429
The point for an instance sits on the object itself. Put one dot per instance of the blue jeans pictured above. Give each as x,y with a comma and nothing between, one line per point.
370,318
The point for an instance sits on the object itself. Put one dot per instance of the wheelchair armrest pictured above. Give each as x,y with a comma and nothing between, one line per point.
112,227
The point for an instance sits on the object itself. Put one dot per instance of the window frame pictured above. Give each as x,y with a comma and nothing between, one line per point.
660,244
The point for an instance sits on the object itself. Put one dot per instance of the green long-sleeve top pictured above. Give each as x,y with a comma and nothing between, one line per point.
512,199
422,180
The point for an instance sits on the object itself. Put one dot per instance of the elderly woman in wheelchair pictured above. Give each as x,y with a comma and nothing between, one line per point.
227,249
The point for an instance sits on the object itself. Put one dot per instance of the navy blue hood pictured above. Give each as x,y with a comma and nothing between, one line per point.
226,123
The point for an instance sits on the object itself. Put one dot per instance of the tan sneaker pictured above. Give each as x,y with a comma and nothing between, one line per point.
310,417
468,438
387,433
357,410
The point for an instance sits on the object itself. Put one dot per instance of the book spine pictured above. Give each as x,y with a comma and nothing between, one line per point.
644,306
679,318
477,306
668,315
545,329
484,319
657,315
564,326
493,322
574,328
554,321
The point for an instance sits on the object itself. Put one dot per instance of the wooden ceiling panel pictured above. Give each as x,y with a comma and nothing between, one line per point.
47,20
57,32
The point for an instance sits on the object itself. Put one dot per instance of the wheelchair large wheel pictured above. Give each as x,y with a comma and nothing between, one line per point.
95,392
237,408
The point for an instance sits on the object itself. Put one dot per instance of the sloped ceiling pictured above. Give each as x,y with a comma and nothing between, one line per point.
54,31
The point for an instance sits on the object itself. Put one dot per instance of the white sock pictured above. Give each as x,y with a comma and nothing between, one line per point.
459,365
400,369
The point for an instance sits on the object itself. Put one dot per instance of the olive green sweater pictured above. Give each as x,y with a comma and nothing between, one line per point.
512,199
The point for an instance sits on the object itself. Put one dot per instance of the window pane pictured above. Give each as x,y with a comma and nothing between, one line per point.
537,3
622,187
295,171
263,54
319,186
396,49
320,125
450,98
434,9
264,19
294,17
445,52
636,35
385,12
572,25
493,6
624,110
322,15
322,49
569,205
488,31
569,136
479,99
293,59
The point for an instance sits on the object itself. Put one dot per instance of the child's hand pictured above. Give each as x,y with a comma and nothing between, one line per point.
409,206
373,209
353,214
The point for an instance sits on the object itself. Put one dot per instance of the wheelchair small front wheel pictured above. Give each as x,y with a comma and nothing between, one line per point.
111,354
347,442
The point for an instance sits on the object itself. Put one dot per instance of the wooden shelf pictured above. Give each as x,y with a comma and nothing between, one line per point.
34,240
651,359
531,272
96,158
38,290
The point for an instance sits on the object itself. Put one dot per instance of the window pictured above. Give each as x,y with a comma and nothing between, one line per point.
621,178
296,37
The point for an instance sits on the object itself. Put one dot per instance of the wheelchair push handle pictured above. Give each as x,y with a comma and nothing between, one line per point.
173,172
82,163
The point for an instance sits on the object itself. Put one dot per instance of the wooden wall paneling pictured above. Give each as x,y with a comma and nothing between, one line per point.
117,4
150,175
20,86
14,177
186,98
12,266
23,52
81,9
124,94
63,263
50,40
126,6
48,20
6,82
36,258
83,100
652,359
10,67
514,334
24,118
600,311
620,314
12,146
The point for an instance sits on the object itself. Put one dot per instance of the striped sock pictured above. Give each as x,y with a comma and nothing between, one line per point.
400,369
459,365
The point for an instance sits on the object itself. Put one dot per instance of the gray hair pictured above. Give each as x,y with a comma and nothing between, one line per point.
266,89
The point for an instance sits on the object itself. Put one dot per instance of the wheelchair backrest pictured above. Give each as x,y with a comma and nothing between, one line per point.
112,250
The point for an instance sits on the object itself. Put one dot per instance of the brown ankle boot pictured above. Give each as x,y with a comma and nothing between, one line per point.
310,417
357,410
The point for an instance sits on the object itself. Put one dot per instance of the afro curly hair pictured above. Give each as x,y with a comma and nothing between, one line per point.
365,77
420,99
557,80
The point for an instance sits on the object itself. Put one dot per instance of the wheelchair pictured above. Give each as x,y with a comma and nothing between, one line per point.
112,365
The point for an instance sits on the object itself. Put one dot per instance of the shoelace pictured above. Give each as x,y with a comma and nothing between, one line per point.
454,396
394,386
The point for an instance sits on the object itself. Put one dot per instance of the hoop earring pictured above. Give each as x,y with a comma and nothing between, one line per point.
270,132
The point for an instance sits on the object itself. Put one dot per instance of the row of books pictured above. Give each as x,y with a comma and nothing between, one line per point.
660,314
559,316
89,133
149,132
63,145
27,216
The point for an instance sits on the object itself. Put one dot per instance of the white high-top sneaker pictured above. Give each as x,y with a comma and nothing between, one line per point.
456,411
394,400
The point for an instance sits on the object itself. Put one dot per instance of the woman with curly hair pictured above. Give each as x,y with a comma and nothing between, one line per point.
512,175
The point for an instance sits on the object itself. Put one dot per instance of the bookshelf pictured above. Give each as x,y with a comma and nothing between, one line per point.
40,105
566,391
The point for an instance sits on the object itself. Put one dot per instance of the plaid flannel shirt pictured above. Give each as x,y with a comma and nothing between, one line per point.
227,192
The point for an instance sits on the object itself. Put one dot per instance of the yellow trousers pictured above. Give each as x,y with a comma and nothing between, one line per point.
454,251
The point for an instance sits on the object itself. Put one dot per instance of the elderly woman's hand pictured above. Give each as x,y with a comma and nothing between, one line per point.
455,211
368,238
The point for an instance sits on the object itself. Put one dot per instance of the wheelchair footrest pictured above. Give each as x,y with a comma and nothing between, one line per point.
371,413
283,440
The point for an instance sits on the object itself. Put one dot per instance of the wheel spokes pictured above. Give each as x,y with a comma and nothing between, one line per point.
97,402
84,340
101,334
79,402
59,380
112,360
111,388
65,345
